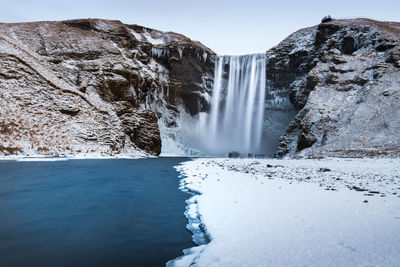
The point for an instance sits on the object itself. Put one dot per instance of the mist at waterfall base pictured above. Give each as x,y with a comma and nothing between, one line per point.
246,117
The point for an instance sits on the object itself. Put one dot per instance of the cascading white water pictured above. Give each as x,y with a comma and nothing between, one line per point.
237,105
246,115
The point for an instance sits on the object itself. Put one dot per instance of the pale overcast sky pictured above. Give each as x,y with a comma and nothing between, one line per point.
228,27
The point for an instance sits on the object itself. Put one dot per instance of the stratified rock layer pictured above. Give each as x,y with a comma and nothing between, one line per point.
343,78
85,86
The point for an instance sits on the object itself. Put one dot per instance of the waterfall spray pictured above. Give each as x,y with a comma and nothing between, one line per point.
246,116
237,105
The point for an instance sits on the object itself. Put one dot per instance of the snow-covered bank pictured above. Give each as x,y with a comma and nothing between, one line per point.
294,212
36,157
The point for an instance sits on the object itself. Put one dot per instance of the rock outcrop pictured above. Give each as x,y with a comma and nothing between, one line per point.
343,78
94,86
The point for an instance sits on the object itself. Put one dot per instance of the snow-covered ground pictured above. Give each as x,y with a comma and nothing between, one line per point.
331,212
67,156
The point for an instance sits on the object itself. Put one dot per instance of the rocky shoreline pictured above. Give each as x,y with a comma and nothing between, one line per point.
362,175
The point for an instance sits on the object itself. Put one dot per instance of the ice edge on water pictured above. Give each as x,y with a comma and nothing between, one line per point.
200,235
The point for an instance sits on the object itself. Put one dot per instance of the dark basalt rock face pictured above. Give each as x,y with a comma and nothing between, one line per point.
92,86
343,78
145,133
191,69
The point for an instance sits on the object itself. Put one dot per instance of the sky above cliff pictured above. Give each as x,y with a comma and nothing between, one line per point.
228,27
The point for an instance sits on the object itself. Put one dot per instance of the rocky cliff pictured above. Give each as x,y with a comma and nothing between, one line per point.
343,78
102,87
94,86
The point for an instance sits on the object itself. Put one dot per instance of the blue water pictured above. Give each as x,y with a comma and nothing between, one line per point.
91,213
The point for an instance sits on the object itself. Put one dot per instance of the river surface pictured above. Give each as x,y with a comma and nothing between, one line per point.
102,212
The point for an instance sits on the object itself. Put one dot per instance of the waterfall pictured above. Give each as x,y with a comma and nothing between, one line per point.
237,104
246,115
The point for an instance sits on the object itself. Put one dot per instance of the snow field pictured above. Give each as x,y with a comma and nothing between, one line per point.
293,212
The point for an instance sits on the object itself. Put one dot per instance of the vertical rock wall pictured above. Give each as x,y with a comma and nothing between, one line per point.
85,86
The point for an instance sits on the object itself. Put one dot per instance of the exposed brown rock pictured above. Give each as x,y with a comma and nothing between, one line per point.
85,86
146,133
